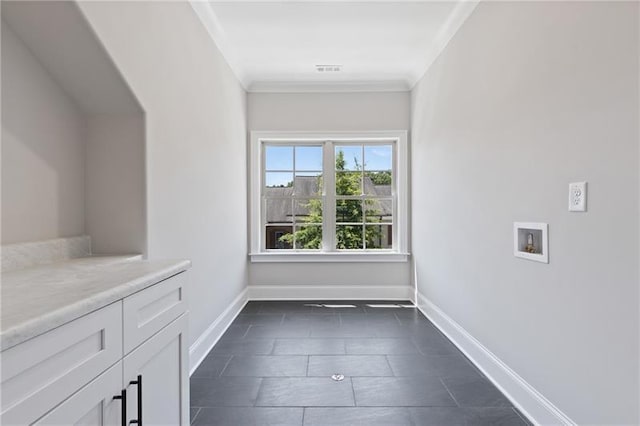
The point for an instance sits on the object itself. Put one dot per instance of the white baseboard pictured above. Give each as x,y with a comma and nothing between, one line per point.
201,347
329,292
525,397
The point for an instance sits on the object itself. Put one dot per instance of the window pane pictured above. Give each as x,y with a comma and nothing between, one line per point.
377,183
279,237
378,157
308,184
349,211
378,210
379,236
279,210
308,237
279,180
349,237
348,183
349,158
308,158
308,211
278,157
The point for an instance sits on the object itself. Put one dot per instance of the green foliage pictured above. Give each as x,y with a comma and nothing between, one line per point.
380,178
348,183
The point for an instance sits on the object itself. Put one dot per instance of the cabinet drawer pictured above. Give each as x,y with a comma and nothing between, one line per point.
148,311
40,373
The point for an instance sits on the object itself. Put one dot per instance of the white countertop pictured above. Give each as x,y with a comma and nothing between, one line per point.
41,298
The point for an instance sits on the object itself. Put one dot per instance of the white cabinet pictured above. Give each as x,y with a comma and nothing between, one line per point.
165,386
78,373
92,405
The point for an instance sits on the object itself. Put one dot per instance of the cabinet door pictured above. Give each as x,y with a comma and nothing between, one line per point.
92,405
162,364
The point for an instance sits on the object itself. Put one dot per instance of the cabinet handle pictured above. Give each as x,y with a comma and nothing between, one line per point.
123,407
138,382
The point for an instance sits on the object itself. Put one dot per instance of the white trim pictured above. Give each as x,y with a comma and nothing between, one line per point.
329,292
327,86
401,169
329,257
525,397
209,19
207,340
454,22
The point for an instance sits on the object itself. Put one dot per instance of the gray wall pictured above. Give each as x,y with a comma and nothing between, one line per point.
43,151
196,150
115,183
329,112
526,98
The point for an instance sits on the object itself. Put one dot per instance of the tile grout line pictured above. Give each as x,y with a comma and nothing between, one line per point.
449,392
196,416
353,392
226,364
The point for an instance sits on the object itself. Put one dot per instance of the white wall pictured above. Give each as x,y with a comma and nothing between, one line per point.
329,112
196,144
42,151
115,183
527,97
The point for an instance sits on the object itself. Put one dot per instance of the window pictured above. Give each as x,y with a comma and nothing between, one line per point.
328,197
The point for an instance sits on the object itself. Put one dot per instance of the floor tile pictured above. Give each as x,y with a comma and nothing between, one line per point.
475,392
193,412
249,416
309,347
400,369
434,366
211,366
435,346
380,347
401,392
224,391
268,331
305,392
259,319
310,319
357,416
236,331
348,365
267,366
454,416
251,308
284,307
345,331
243,347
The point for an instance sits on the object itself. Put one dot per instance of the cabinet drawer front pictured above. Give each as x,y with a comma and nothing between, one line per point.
148,311
40,373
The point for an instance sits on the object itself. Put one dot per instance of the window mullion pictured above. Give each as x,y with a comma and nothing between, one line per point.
328,198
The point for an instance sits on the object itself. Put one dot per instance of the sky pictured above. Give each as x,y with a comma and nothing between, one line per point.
308,160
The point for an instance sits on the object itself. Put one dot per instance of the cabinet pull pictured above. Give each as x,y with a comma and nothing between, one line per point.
123,407
138,382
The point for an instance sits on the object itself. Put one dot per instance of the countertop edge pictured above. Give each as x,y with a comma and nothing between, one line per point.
56,318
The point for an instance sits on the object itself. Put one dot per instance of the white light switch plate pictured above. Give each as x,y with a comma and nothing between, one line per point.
578,197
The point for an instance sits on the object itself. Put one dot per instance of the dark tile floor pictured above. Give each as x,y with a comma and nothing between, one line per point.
274,364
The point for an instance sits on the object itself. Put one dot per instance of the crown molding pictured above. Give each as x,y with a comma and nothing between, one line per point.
209,19
328,86
455,21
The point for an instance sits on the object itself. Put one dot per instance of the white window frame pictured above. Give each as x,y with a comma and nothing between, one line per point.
399,253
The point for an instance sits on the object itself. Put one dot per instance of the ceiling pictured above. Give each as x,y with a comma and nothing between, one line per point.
380,46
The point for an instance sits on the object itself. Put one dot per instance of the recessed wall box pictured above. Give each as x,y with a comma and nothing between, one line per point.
530,241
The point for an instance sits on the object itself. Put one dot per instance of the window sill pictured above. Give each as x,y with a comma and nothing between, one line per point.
328,257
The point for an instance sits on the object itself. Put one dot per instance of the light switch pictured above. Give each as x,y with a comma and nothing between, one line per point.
578,197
